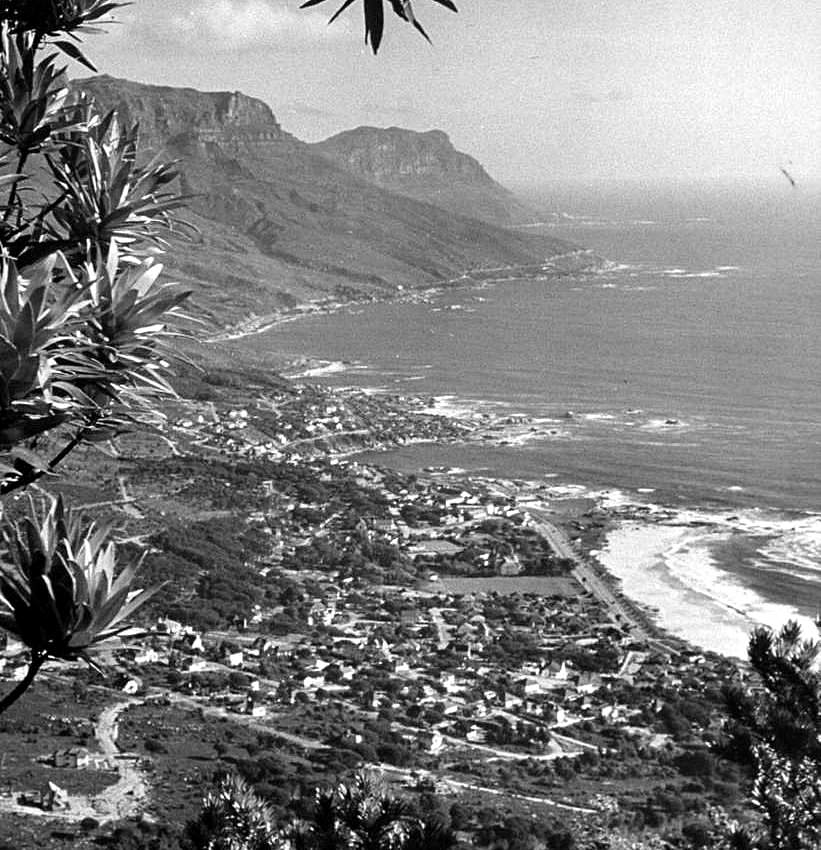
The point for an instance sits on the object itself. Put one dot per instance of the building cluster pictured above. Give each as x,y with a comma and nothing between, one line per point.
303,422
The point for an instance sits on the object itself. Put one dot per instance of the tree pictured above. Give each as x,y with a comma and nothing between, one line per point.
359,815
83,322
232,817
776,730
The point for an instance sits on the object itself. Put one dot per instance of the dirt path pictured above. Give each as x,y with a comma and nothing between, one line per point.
260,724
124,799
128,795
457,785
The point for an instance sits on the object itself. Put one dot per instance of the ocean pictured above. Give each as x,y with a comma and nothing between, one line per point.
683,376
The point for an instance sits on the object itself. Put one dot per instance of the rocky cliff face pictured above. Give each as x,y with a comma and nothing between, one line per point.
280,223
187,117
427,167
396,155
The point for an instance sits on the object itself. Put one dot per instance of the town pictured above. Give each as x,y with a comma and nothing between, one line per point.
443,630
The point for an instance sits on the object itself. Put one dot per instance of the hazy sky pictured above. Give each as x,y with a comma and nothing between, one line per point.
535,89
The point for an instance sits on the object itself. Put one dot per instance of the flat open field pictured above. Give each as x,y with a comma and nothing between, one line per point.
539,585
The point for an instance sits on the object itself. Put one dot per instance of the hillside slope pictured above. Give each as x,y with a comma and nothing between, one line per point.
427,167
280,223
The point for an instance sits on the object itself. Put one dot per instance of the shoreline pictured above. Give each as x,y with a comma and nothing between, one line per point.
626,546
558,265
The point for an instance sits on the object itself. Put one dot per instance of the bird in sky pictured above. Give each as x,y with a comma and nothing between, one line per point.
788,176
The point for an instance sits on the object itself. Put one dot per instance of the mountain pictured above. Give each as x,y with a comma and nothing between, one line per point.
427,167
279,223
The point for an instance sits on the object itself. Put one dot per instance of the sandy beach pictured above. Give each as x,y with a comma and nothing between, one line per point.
669,568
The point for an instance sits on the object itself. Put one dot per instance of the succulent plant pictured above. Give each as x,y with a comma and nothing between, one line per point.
60,593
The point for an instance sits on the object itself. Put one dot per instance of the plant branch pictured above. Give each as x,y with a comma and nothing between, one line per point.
30,475
12,201
37,661
41,215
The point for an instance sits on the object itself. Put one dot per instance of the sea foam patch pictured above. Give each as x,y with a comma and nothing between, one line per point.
319,368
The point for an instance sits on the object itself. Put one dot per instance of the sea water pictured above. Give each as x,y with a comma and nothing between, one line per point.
684,374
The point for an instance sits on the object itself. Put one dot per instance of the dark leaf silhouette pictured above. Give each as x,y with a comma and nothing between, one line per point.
375,16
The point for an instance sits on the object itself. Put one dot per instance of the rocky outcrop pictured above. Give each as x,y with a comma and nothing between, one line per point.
425,166
185,117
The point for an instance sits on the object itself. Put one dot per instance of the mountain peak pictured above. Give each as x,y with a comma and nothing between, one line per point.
425,166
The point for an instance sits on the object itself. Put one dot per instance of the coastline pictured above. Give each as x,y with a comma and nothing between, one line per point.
635,555
570,262
627,545
621,561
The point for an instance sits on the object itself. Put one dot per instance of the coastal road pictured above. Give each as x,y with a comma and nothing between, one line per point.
585,575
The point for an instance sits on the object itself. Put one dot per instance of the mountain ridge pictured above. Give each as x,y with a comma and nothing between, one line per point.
280,223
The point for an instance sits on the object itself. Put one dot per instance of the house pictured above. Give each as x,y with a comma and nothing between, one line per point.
194,642
588,683
13,646
73,757
512,701
255,709
132,686
510,567
448,680
234,659
264,645
171,627
17,672
432,740
147,656
559,670
48,798
476,735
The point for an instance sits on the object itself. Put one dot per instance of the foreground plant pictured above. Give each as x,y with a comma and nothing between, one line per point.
776,730
60,591
84,319
358,814
82,314
375,16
